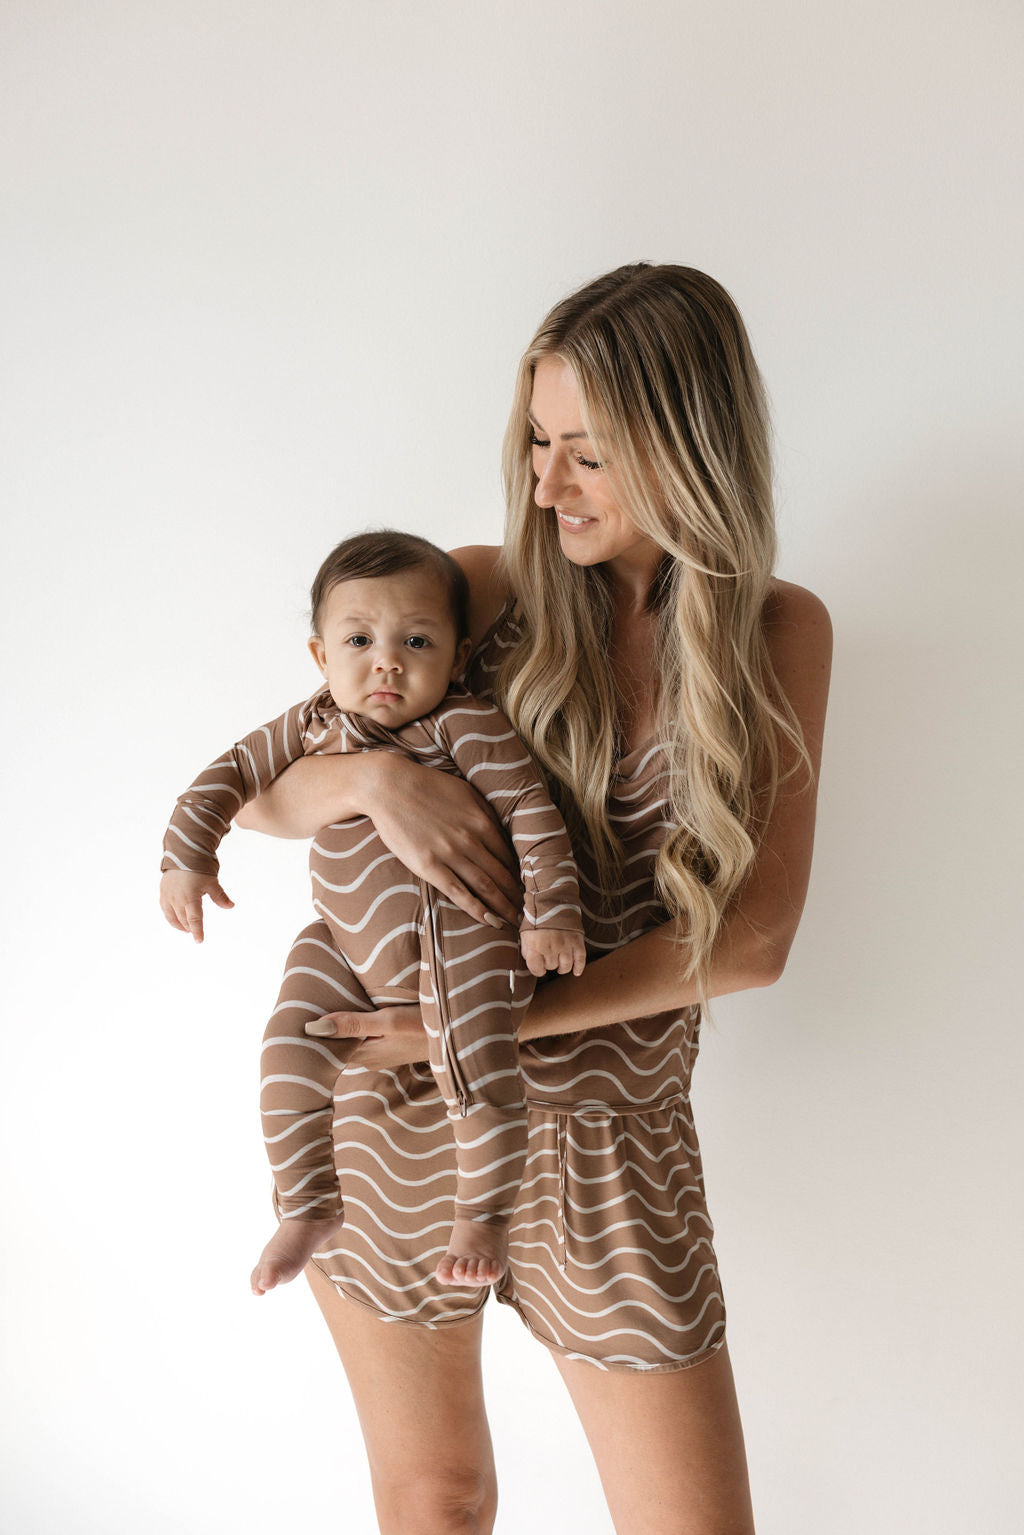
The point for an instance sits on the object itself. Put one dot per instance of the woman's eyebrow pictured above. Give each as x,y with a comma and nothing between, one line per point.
565,437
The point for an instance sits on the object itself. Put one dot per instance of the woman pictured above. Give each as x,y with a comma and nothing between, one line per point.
675,695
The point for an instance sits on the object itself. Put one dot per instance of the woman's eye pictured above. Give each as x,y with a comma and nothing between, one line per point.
417,642
589,463
537,442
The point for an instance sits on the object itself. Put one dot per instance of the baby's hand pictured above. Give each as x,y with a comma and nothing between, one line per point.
544,949
181,899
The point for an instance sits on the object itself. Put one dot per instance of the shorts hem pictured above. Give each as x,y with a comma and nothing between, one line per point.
401,1321
618,1366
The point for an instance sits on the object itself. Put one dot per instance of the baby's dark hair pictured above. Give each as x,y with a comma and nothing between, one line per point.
384,553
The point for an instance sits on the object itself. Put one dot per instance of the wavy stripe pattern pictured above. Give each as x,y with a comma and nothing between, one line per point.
611,1246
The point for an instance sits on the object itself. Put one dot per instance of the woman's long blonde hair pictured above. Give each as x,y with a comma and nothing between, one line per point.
671,396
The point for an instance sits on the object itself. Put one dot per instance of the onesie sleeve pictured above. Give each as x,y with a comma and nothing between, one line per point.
203,814
490,755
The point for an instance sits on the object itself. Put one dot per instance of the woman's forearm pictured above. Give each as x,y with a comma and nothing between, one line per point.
646,976
312,793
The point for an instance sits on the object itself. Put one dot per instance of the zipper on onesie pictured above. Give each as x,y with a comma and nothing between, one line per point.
435,965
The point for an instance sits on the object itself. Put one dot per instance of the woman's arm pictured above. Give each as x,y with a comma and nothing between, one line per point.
645,976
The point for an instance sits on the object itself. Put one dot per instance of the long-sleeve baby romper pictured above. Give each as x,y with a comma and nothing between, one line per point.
385,936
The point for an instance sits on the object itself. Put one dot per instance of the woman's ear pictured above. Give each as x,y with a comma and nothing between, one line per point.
319,653
463,651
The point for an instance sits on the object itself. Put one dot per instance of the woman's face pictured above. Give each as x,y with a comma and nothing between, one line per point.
571,481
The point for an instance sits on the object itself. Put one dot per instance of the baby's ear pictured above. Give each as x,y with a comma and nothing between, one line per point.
463,651
319,653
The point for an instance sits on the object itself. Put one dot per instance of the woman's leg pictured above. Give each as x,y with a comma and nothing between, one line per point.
419,1397
668,1446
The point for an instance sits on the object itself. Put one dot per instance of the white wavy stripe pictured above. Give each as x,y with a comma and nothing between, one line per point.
474,735
301,1122
610,1360
653,1186
651,752
209,815
556,911
610,1149
292,1215
402,1237
601,1263
560,1325
319,975
314,1172
303,1042
452,1315
317,1087
392,1289
477,980
204,785
367,917
389,1166
660,1212
176,831
622,1277
405,1208
435,1126
609,1076
361,879
347,852
321,1140
360,969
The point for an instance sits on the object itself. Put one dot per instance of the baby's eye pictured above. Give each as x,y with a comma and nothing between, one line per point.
358,640
417,642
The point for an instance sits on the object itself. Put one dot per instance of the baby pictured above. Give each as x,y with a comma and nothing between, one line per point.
389,636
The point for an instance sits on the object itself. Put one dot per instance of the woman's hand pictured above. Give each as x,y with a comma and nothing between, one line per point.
441,829
391,1036
435,824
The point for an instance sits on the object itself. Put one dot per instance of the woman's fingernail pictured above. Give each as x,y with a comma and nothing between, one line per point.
320,1026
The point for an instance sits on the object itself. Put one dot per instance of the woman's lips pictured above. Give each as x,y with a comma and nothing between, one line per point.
573,524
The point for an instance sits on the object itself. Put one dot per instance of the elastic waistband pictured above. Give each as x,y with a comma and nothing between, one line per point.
593,1112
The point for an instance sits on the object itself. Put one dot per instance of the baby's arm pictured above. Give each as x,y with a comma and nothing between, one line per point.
204,812
491,756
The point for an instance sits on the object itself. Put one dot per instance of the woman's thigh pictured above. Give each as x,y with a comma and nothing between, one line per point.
419,1396
668,1446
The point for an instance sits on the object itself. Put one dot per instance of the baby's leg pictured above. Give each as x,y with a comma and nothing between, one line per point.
474,991
296,1102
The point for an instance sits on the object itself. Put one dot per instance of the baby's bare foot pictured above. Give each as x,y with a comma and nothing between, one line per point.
289,1250
477,1254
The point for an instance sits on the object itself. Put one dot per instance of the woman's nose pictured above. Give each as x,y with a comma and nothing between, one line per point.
555,485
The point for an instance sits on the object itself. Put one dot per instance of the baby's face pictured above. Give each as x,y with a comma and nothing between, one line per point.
388,647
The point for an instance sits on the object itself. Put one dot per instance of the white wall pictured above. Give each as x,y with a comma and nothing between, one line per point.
267,273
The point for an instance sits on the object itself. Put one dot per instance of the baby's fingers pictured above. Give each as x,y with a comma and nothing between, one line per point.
193,917
219,896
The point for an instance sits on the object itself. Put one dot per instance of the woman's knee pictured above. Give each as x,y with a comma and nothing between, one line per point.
460,1500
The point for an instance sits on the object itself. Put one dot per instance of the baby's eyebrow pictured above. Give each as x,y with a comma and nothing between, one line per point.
566,436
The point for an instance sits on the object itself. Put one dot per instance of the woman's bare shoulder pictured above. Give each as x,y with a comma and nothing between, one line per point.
799,635
488,590
792,611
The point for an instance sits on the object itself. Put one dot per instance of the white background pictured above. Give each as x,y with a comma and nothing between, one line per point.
268,270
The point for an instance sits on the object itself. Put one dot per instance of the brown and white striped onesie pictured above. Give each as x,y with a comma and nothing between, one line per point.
611,1254
385,936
